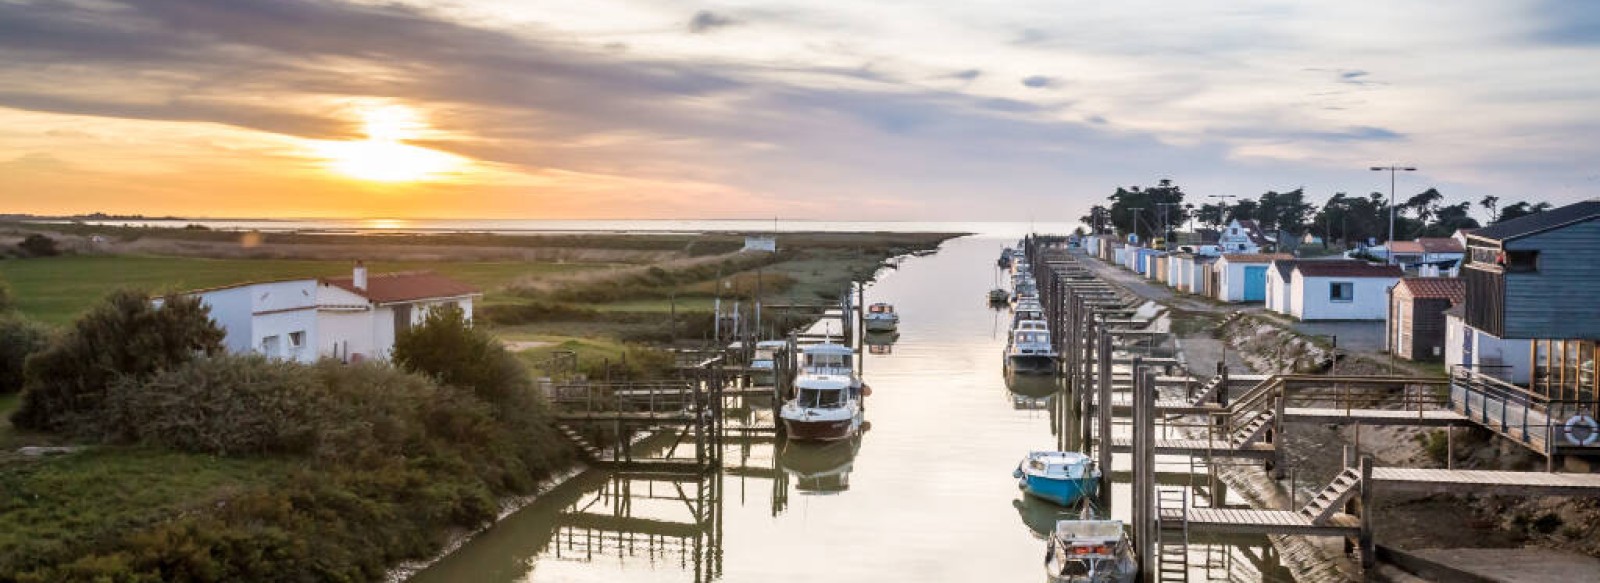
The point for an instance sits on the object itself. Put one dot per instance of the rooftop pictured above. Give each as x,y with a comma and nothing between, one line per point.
1428,245
1347,269
1444,288
1539,222
406,286
1256,257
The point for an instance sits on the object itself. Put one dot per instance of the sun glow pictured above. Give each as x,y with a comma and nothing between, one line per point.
384,156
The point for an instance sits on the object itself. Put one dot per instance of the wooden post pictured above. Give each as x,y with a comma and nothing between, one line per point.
1368,558
1281,394
1103,411
1449,447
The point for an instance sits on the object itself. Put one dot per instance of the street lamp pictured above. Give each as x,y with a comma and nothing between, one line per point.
1136,220
1392,169
1166,228
1224,211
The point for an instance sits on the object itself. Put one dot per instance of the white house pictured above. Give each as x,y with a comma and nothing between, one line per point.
1278,278
1446,252
1242,236
760,243
1484,353
1341,290
349,318
1242,277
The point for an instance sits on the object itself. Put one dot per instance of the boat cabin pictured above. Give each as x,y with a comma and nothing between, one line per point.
880,308
1057,464
822,392
827,357
767,350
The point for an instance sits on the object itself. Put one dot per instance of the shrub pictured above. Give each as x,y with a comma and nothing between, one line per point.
19,338
226,405
126,335
37,245
446,347
8,302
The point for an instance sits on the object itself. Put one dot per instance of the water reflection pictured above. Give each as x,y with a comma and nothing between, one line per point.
820,468
880,343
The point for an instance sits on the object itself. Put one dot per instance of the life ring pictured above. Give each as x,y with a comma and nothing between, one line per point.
1585,424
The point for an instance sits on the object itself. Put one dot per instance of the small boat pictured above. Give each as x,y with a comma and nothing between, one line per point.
999,297
1090,551
1063,477
1030,352
880,317
763,363
1005,258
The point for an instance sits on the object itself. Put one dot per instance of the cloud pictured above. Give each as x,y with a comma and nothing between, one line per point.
706,21
1038,82
967,74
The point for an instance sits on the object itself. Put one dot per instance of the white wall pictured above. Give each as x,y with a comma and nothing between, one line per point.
230,309
1231,284
1369,302
1507,360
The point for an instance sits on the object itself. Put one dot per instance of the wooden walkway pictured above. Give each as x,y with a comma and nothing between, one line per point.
1488,482
1434,418
1200,447
1246,521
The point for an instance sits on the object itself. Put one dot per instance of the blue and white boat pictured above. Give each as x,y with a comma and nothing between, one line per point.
1063,477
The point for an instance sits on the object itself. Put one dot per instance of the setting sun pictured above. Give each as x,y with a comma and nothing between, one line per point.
383,156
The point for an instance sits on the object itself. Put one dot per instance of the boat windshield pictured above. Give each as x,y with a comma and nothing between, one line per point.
1027,337
828,360
765,354
820,398
881,309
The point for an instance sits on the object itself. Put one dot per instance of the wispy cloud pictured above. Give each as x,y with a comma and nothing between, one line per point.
705,21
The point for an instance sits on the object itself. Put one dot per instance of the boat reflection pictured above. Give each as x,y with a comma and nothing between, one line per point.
881,343
820,468
1031,391
1040,517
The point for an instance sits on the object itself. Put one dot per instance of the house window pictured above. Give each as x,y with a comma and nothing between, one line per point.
269,345
1522,261
1233,231
1342,291
297,340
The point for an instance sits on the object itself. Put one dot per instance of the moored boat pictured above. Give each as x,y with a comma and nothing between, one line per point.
763,363
825,408
1063,477
880,317
1030,352
998,297
1089,551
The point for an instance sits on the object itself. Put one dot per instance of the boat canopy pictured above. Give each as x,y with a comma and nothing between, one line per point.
771,344
823,382
1089,531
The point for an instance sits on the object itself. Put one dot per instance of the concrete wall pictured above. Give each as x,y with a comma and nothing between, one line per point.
1279,297
1311,299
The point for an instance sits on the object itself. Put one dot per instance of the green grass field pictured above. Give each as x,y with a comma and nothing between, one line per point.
56,289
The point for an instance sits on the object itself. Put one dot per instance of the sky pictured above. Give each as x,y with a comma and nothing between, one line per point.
883,110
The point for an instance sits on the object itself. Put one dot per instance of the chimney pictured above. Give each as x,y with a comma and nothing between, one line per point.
358,277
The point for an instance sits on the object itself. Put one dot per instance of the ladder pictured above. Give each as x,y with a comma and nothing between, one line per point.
1172,543
1332,498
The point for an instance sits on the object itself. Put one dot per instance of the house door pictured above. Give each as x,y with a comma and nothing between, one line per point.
1255,283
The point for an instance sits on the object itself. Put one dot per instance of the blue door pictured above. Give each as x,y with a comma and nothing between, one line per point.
1255,283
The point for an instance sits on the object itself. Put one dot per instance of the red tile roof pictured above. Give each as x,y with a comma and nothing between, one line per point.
1343,269
1444,288
384,288
1429,245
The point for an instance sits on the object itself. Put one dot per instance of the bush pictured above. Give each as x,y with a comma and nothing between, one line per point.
8,302
225,405
126,335
37,245
446,347
19,339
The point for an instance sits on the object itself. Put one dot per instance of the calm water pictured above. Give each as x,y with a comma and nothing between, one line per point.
925,495
1011,230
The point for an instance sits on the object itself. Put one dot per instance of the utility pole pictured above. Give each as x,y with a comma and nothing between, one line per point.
1136,219
1166,227
1224,211
1392,169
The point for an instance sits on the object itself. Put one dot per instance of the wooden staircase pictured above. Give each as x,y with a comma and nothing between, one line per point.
1332,498
586,449
1252,430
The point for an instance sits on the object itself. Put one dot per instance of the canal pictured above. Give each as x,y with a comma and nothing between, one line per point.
926,494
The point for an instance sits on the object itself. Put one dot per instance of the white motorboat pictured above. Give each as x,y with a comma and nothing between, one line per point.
763,364
1030,352
1090,551
880,317
828,397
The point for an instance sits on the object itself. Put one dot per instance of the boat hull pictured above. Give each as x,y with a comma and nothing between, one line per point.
1031,363
820,430
880,325
1065,492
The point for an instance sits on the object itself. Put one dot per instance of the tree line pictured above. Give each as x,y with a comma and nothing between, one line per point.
1165,208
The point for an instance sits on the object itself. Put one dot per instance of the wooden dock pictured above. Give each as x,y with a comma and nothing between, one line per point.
1426,418
1200,447
1487,482
1248,521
